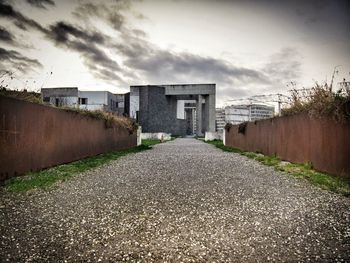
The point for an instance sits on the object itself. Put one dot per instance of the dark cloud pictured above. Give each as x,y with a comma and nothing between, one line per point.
165,66
9,38
11,59
20,25
73,38
20,20
61,32
312,11
142,61
86,44
41,3
155,64
6,36
111,14
284,66
161,63
89,9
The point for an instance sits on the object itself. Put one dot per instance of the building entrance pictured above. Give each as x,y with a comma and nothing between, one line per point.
190,117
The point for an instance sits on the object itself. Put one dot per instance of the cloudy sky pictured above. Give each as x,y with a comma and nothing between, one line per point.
246,47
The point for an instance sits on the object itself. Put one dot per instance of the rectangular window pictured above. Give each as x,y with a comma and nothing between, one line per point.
83,101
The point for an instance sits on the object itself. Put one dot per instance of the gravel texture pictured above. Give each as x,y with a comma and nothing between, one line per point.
183,201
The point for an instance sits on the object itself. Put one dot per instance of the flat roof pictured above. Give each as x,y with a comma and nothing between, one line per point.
184,89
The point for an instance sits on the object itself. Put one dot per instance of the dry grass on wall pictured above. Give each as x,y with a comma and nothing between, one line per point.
109,118
30,96
321,101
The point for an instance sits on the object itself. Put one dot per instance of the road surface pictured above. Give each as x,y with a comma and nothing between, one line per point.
183,201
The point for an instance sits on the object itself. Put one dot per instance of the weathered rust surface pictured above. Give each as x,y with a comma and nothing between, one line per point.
33,137
298,139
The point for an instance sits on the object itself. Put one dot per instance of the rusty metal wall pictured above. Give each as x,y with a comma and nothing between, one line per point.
298,139
33,137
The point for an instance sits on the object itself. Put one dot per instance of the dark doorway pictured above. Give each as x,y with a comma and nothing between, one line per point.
189,121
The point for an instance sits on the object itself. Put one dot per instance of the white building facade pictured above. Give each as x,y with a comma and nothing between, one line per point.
236,114
90,100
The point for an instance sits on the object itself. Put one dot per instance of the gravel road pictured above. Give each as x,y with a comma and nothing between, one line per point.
183,201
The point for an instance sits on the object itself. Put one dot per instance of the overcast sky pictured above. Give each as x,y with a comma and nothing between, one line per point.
246,47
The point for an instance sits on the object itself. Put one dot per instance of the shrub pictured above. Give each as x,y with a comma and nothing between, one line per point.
228,126
21,95
109,118
320,102
242,127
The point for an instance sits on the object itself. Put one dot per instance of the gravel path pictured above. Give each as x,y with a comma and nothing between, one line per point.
183,201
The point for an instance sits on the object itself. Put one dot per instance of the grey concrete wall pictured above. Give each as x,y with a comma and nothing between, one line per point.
205,116
157,107
211,112
158,112
186,89
60,96
60,92
199,109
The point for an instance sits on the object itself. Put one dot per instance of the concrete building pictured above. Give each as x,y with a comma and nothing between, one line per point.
220,119
59,97
177,109
259,111
90,100
236,114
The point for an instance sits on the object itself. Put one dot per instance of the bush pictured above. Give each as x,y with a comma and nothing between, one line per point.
21,95
228,126
320,102
109,118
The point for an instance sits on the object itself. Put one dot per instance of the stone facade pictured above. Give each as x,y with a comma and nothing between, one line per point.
156,108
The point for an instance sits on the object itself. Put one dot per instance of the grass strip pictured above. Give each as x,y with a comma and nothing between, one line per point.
46,178
302,171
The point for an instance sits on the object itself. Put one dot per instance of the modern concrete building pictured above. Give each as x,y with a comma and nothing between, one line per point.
177,109
90,100
220,119
236,114
259,111
68,96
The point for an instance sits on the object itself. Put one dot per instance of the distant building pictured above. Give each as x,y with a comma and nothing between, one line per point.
90,100
259,111
220,119
60,96
236,114
177,109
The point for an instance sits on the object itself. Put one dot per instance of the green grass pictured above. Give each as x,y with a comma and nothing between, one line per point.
302,171
323,180
220,145
150,142
46,178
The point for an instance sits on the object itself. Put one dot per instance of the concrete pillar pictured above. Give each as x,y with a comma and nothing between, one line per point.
139,139
212,112
199,116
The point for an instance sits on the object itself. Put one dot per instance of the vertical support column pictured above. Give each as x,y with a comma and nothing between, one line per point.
212,112
199,116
